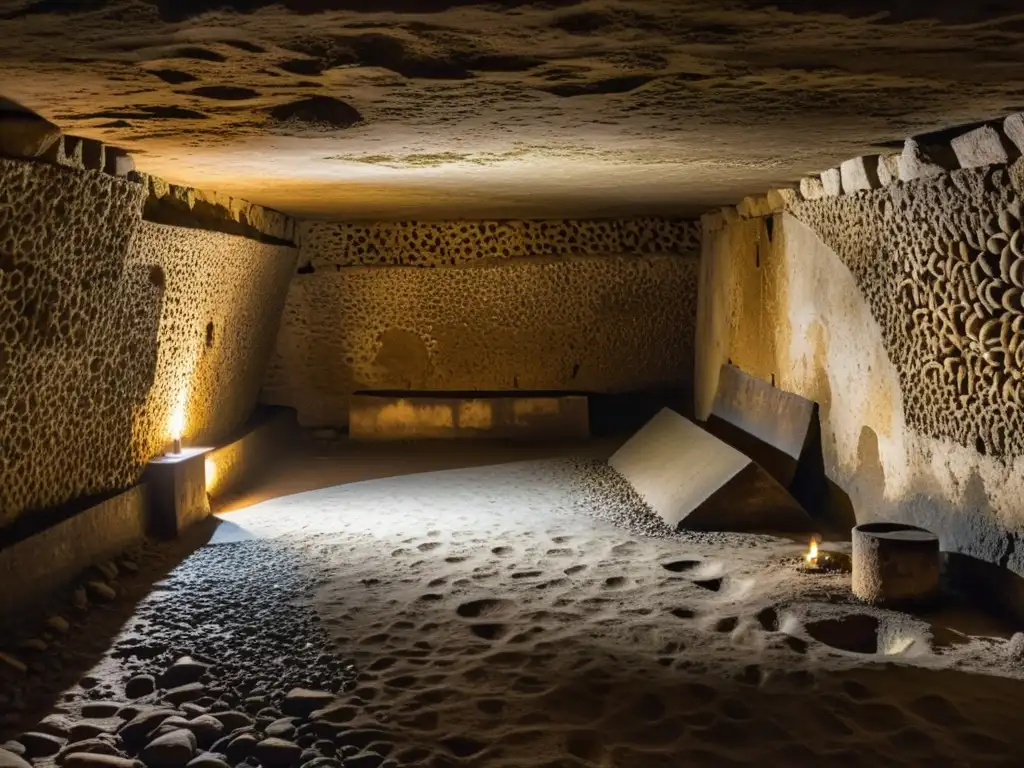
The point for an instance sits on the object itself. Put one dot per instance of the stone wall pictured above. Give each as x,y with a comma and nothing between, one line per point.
897,309
109,322
504,306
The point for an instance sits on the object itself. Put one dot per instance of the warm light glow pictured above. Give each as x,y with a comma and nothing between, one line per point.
176,424
211,474
812,553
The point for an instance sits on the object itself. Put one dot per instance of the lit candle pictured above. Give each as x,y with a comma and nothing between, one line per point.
812,553
176,425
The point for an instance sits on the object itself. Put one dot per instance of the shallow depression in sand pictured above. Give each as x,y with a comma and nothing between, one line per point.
533,631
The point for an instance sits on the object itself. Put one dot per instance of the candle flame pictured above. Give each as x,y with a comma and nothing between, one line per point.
176,423
812,553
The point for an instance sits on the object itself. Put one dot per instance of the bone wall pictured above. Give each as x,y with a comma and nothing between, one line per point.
107,322
501,306
897,310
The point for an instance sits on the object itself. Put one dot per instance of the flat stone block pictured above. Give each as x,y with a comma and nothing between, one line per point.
982,146
895,565
117,162
234,464
832,182
176,492
860,174
393,417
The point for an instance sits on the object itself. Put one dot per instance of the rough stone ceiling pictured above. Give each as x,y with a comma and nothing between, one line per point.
449,108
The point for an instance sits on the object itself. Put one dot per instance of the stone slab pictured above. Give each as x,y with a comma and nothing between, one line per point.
693,480
47,560
832,182
860,174
394,417
176,492
982,146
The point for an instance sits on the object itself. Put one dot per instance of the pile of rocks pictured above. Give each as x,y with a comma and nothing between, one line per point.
224,664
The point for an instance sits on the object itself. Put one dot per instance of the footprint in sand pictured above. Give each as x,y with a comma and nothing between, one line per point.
489,632
682,613
502,551
456,559
728,624
561,539
527,574
713,585
615,582
574,569
625,548
560,552
427,546
679,566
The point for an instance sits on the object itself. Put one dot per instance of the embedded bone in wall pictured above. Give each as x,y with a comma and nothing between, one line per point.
106,322
941,262
433,244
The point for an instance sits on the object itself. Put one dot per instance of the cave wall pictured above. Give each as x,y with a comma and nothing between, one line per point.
107,322
897,310
592,306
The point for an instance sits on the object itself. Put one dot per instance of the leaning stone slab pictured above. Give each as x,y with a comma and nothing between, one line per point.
27,137
982,146
1013,127
860,174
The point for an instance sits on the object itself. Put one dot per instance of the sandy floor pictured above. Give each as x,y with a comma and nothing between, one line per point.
497,622
458,108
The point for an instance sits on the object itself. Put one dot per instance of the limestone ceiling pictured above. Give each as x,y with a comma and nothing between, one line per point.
440,108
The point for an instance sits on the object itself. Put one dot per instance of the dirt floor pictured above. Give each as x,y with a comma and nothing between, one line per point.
465,109
458,612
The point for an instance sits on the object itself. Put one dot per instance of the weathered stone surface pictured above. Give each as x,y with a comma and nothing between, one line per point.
100,708
985,145
233,719
207,729
782,198
91,746
811,188
752,207
860,174
922,162
888,169
282,728
171,750
207,760
832,182
1013,127
134,732
183,693
100,591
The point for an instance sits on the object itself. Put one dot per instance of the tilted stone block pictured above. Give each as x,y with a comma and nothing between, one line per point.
983,146
860,174
832,182
888,169
921,162
811,188
752,207
118,162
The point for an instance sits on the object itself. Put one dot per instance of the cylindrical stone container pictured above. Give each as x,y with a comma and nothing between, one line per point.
895,565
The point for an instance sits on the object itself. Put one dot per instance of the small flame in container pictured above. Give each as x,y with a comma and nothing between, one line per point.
811,557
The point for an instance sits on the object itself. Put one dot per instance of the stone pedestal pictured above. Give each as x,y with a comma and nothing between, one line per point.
176,492
895,565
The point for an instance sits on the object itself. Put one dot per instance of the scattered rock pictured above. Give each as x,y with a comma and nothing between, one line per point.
1015,646
207,729
277,753
283,728
91,729
89,746
185,670
240,747
134,732
171,750
100,709
12,663
364,760
15,747
33,645
95,760
888,169
10,760
207,760
184,693
79,600
100,591
1013,127
233,720
56,725
58,624
41,744
139,686
108,570
302,702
